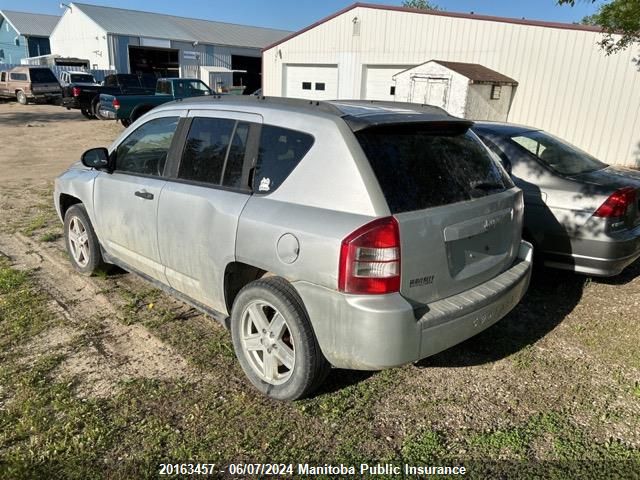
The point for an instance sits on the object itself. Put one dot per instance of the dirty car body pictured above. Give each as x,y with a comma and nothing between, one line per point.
581,214
389,227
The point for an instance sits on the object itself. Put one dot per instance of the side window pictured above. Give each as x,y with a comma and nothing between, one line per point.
235,158
530,144
163,88
205,150
3,77
144,152
280,152
111,81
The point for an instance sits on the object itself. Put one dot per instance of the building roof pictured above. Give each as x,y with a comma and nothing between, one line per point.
441,13
120,21
31,24
477,73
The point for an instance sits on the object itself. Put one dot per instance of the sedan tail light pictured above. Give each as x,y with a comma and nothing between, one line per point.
370,259
75,91
617,203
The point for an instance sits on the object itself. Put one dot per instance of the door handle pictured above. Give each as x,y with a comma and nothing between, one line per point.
144,194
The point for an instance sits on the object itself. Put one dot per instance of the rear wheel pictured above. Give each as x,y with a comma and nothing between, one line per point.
21,97
81,241
87,114
125,122
95,109
274,341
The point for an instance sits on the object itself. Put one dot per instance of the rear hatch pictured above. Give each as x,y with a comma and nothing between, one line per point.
459,214
43,81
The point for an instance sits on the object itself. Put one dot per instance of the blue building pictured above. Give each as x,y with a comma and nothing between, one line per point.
24,35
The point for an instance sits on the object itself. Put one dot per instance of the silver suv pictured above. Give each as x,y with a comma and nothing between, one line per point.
353,234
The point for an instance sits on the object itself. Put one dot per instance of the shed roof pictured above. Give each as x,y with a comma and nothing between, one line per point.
475,72
31,24
148,24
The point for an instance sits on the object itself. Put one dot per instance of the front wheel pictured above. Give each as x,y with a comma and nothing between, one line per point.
81,241
274,341
21,97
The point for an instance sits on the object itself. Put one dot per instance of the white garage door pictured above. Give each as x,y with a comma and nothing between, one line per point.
378,84
316,82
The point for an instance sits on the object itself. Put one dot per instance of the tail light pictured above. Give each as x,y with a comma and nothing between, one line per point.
116,103
370,259
617,203
75,91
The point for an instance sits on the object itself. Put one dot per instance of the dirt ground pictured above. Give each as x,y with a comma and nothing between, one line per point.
119,370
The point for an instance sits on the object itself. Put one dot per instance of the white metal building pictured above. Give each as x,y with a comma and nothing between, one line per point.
566,84
132,41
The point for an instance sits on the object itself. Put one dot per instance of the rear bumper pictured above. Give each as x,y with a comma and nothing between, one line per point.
108,114
71,102
604,257
375,332
45,97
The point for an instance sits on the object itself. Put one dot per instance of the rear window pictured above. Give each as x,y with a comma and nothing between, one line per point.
557,154
81,77
420,167
42,75
280,152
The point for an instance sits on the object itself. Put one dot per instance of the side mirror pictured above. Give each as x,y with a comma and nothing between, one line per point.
97,158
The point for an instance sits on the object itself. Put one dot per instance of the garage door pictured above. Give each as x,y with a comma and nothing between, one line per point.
316,82
378,84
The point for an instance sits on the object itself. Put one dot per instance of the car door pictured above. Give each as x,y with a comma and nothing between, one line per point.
126,200
201,203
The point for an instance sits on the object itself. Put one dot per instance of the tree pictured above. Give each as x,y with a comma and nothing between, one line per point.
420,4
616,17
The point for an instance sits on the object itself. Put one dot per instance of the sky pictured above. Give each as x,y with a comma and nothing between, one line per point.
297,14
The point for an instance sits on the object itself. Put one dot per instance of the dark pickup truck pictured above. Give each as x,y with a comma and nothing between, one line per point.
86,98
128,108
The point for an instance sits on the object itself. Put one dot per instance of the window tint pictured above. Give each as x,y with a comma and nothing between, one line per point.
3,77
206,149
82,77
280,152
557,154
500,155
306,85
19,76
420,167
190,88
111,81
42,75
319,86
235,158
144,152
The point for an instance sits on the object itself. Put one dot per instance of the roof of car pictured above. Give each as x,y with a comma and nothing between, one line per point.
503,128
358,114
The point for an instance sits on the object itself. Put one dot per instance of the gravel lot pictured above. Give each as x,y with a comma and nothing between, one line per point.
109,370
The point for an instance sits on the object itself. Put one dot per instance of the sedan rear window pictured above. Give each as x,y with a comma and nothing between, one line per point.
420,166
557,154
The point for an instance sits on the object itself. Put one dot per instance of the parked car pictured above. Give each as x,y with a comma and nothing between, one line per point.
356,234
86,98
580,213
79,78
27,83
128,108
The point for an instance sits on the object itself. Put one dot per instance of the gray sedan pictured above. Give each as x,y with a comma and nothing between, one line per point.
580,214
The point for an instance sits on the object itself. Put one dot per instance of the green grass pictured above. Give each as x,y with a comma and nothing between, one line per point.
50,237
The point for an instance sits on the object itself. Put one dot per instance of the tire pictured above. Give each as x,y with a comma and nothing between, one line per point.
21,97
95,109
125,122
87,114
81,241
285,363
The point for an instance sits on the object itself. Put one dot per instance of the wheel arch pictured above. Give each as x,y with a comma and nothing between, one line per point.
66,201
236,276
